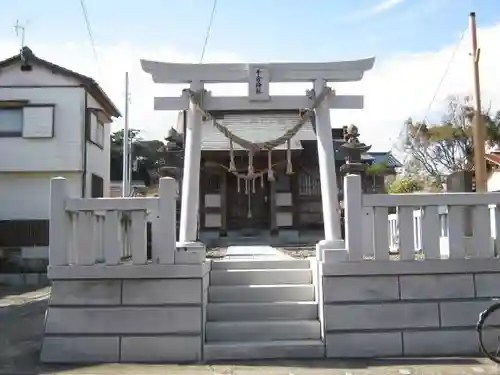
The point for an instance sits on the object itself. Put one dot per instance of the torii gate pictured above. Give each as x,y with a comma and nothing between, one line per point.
199,103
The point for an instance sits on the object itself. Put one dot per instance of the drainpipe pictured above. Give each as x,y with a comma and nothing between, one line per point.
85,132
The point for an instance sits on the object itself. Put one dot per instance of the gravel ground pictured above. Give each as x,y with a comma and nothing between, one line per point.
301,252
216,252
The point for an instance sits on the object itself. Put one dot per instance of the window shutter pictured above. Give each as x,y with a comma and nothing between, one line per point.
38,122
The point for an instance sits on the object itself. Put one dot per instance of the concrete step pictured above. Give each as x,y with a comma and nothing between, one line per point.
264,276
262,331
293,349
259,264
236,312
261,293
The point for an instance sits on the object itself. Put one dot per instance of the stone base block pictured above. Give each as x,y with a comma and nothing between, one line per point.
331,251
175,349
147,313
441,343
80,349
334,256
364,345
190,253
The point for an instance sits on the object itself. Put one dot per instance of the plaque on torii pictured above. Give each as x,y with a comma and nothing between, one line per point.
197,102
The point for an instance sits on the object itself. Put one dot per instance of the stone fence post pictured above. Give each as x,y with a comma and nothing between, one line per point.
163,229
353,216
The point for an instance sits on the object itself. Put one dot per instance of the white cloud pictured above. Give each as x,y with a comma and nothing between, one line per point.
397,87
384,6
404,85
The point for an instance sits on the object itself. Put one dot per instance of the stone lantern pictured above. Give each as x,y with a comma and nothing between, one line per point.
354,149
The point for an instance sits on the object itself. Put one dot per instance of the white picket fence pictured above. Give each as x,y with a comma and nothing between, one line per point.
432,224
111,231
443,222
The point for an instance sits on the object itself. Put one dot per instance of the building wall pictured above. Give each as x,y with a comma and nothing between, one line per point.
98,159
51,145
393,309
494,181
62,151
27,195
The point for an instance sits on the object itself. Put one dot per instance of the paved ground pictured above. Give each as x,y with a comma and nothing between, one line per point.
21,325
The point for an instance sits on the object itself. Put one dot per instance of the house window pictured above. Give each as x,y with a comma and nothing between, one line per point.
27,121
97,186
96,133
11,122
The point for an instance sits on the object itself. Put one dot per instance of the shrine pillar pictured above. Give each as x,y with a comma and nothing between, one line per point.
328,180
190,199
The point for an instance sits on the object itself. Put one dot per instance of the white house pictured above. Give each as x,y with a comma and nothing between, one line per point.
53,122
493,159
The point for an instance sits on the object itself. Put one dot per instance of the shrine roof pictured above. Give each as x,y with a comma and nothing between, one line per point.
262,127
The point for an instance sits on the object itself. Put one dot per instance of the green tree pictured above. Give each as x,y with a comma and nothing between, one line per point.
145,154
116,151
405,185
117,140
439,149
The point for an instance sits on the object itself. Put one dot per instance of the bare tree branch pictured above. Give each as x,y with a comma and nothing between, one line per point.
439,149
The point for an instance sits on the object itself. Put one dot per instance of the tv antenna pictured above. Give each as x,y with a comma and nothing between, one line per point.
20,30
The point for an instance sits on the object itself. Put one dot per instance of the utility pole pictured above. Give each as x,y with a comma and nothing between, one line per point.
126,151
478,130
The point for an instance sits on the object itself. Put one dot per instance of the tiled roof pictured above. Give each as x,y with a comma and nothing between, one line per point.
95,90
374,157
380,157
255,128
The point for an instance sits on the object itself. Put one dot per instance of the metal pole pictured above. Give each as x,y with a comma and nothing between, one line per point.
125,183
130,165
478,129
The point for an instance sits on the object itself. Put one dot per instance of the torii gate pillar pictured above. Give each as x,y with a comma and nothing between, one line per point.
328,178
191,176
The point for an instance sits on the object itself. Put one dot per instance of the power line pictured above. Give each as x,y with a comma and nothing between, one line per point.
445,73
89,31
436,92
209,29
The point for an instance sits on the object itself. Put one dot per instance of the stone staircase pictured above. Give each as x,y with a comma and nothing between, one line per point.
262,309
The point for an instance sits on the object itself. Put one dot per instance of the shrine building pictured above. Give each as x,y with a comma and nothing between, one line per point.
281,198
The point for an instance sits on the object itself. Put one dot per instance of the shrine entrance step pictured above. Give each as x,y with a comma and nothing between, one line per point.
262,305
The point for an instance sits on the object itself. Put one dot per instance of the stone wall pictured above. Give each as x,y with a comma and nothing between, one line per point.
414,308
129,313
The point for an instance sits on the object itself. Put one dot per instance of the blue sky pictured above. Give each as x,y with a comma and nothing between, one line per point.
257,29
411,39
